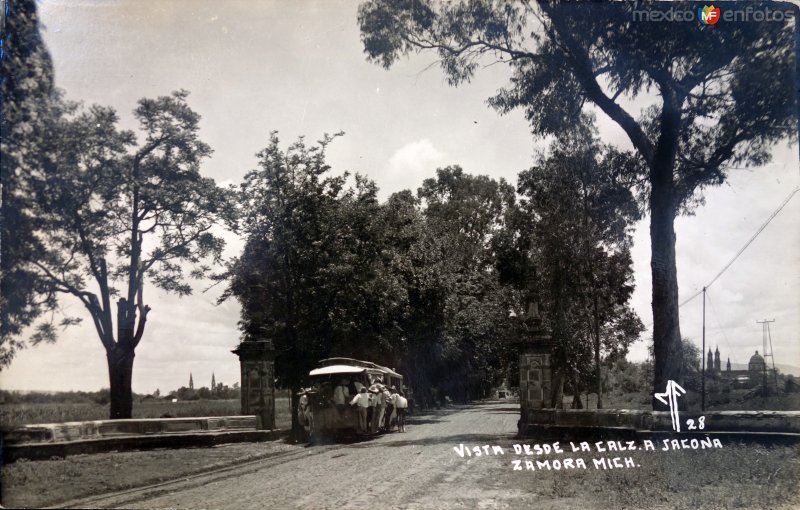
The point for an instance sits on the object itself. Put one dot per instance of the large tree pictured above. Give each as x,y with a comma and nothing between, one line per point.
575,218
693,100
312,277
27,101
114,210
463,215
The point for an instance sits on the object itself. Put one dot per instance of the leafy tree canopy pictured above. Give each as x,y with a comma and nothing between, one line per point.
27,99
114,210
707,105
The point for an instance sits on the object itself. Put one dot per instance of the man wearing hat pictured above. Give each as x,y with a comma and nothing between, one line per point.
304,409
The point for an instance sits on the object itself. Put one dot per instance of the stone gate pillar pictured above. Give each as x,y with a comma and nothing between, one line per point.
535,373
257,363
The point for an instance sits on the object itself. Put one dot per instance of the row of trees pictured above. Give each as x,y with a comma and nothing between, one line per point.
328,270
432,283
428,282
689,113
40,397
220,391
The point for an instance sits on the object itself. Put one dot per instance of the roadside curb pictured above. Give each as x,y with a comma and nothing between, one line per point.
43,451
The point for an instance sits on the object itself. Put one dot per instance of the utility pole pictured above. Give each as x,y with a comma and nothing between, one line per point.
703,356
766,334
597,353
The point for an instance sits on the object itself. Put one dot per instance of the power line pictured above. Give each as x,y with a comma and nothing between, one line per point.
685,301
753,238
741,250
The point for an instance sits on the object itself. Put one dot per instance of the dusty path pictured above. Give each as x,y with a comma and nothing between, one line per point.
417,468
420,469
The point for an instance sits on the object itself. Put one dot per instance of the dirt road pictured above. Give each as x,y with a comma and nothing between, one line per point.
421,469
417,468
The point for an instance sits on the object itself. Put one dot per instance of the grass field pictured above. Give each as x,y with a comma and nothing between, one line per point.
738,402
15,415
740,475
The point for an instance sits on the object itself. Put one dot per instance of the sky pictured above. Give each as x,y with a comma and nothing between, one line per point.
298,68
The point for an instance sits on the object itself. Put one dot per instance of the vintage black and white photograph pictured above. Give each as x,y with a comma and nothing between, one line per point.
418,254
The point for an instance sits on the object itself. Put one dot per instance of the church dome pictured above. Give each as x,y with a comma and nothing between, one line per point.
756,362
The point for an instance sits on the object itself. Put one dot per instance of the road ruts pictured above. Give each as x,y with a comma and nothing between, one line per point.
415,469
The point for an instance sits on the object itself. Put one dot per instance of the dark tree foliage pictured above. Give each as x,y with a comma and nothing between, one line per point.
411,283
693,360
574,223
415,253
415,283
27,97
463,214
717,96
315,274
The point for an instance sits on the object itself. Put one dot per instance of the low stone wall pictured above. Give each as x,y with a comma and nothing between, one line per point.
624,420
60,449
99,429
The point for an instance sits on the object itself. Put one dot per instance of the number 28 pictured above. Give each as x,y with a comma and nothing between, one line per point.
701,423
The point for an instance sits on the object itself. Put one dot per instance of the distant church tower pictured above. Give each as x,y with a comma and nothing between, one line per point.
213,382
710,363
717,362
729,363
191,382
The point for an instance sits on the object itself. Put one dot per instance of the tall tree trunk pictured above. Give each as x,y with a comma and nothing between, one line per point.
120,362
120,372
666,322
597,352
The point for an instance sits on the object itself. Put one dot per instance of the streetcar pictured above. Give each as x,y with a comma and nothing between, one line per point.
322,417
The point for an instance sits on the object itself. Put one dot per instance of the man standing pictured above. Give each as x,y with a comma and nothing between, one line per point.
302,408
401,405
390,404
377,413
362,402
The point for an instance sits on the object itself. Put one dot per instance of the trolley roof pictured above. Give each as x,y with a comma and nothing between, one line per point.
351,366
338,369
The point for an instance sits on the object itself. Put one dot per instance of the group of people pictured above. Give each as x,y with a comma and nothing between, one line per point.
375,405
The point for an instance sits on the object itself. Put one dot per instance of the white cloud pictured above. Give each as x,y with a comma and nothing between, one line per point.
409,166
